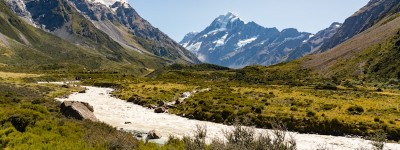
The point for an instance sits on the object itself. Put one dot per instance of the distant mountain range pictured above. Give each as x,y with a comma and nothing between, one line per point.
314,44
231,42
108,33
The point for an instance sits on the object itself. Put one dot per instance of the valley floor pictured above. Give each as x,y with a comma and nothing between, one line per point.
117,112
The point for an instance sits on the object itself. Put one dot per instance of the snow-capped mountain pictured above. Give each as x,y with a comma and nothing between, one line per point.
109,24
231,42
314,44
109,2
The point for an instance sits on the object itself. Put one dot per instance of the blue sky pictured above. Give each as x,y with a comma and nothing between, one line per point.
178,17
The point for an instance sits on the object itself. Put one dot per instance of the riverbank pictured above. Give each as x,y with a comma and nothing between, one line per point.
116,112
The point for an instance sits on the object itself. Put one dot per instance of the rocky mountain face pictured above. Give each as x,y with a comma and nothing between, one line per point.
120,18
112,26
24,47
363,19
314,44
366,46
231,42
266,53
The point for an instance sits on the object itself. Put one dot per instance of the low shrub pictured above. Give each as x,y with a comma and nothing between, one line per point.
243,138
328,106
326,86
311,113
355,110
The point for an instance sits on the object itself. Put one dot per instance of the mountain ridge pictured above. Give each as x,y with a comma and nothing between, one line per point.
315,42
362,56
361,20
230,42
82,32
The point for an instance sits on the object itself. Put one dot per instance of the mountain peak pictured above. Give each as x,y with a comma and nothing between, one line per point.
336,25
231,14
223,20
109,2
231,42
228,16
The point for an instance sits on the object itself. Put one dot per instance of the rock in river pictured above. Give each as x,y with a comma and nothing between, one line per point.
78,110
153,134
159,110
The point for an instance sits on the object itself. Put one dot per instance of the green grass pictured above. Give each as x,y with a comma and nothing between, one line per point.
152,92
377,63
30,119
305,103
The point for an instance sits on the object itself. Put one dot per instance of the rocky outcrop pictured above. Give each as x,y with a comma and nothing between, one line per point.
78,110
153,134
120,18
159,110
137,100
313,44
108,33
362,20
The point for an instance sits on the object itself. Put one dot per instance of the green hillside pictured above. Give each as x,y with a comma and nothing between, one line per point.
371,55
26,48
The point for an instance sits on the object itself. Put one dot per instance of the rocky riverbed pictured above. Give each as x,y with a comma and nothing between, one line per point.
135,118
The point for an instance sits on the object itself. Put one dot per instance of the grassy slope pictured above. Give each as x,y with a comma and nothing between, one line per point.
285,92
318,94
30,119
370,54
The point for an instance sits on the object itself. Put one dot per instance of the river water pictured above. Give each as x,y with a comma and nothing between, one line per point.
117,113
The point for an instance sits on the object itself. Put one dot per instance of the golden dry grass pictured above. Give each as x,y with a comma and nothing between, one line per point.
153,91
6,75
383,104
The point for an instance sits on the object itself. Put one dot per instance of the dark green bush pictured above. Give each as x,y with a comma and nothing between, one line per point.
226,113
328,106
293,108
311,113
326,86
355,110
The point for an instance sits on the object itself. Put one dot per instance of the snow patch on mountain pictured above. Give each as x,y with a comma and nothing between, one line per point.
244,42
201,57
110,2
19,7
221,41
223,20
293,38
213,32
194,47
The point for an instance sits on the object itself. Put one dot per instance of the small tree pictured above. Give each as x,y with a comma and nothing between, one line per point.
198,142
378,140
243,138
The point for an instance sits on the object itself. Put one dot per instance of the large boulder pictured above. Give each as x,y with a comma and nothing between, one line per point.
82,91
90,107
153,134
159,110
161,103
78,110
152,107
136,100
